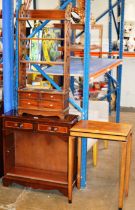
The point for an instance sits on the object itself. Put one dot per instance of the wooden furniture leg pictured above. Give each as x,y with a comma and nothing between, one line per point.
106,144
70,168
128,163
95,154
79,163
122,174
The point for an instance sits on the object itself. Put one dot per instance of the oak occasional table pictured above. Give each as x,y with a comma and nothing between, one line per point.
118,132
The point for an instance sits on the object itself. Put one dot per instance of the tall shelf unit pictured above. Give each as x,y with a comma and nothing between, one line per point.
10,86
46,102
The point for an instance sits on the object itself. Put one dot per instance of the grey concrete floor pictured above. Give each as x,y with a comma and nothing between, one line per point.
101,192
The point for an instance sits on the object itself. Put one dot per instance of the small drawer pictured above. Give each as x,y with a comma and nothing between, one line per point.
28,103
49,96
53,129
20,125
51,104
29,95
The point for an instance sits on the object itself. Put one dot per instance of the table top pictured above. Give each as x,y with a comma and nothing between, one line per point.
107,128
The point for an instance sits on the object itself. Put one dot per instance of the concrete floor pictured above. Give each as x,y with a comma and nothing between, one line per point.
101,192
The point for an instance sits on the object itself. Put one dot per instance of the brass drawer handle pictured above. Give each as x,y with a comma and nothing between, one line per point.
21,125
55,129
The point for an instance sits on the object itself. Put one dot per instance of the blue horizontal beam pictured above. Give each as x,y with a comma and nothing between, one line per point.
114,19
109,94
102,15
78,35
54,84
47,21
114,80
72,101
108,10
37,67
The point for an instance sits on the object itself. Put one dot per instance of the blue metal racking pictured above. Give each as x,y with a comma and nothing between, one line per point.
10,96
8,53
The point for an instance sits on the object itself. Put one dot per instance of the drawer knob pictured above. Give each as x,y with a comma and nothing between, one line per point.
29,103
52,96
29,94
55,129
21,125
49,128
51,105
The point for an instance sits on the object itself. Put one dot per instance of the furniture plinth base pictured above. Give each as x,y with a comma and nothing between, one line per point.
60,113
35,184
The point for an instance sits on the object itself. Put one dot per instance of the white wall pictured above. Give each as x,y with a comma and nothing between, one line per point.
128,83
128,75
51,4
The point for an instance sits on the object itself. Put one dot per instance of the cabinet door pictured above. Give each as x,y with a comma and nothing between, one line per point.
8,150
1,149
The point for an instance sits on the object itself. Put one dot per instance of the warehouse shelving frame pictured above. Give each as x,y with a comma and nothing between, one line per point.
10,69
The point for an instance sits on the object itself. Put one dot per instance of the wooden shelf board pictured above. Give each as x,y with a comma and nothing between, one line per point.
42,62
38,174
57,39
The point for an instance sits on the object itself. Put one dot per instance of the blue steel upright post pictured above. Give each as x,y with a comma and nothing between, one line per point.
86,87
118,18
119,74
8,53
110,50
72,80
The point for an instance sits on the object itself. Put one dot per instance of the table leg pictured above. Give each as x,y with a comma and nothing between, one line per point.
70,168
122,174
79,163
128,164
95,154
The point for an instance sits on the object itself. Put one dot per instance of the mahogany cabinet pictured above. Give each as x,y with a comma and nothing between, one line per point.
36,151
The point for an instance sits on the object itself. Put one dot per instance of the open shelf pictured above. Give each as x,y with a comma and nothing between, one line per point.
53,39
43,175
42,62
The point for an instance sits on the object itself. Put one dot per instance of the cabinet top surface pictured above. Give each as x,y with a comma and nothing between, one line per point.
69,119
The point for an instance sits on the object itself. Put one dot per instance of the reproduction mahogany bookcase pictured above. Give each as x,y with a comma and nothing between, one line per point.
45,102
